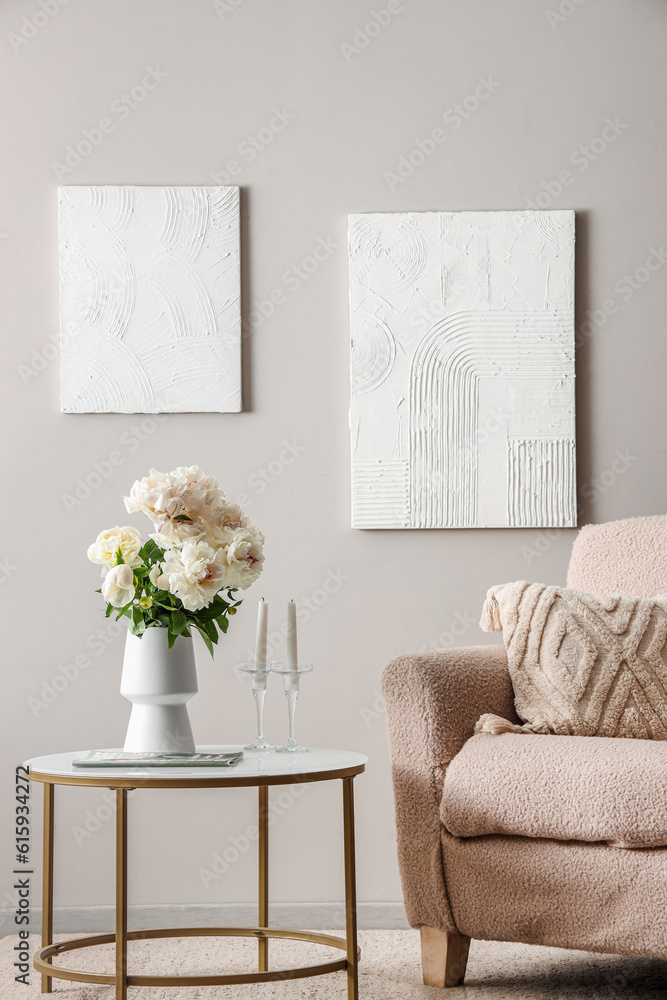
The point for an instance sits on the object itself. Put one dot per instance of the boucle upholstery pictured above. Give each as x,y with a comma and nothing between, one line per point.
433,701
570,894
581,664
621,557
559,787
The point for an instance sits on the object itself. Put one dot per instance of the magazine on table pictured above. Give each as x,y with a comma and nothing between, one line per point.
122,758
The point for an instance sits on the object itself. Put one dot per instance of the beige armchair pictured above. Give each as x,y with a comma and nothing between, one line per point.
521,873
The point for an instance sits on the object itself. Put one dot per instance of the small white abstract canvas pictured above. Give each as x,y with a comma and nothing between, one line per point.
462,370
150,303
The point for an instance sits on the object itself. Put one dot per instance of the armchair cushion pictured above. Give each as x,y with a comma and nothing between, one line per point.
559,787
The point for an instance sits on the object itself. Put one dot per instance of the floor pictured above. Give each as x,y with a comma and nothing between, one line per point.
389,971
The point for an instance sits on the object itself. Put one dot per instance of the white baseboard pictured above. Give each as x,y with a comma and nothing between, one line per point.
100,919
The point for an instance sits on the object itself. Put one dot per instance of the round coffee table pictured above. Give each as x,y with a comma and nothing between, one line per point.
255,770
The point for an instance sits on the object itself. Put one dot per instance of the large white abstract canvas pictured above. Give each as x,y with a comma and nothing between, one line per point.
150,299
462,395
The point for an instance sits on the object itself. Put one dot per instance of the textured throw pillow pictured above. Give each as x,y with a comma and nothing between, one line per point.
581,664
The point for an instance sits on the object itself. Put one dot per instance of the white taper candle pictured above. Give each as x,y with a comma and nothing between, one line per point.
262,634
291,658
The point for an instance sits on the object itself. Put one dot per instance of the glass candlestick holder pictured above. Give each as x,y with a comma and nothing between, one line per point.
259,676
292,676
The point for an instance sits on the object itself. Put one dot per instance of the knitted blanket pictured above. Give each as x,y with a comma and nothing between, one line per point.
581,664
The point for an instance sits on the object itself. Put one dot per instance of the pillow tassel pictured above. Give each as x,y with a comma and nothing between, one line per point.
495,725
490,620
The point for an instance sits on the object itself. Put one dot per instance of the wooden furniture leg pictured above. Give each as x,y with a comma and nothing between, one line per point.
444,957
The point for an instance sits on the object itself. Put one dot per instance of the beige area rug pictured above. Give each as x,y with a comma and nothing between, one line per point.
389,971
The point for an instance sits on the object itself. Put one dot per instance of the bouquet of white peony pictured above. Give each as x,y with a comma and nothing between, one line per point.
202,545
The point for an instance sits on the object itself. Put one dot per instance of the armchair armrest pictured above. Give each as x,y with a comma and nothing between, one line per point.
433,702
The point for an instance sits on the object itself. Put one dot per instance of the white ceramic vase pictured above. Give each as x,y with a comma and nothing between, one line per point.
158,681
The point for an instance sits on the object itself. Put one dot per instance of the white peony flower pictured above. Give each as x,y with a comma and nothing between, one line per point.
118,586
216,526
196,573
244,557
174,534
157,495
105,548
177,503
225,522
203,492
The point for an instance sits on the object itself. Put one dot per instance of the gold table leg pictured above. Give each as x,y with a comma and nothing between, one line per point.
350,891
263,875
47,877
121,894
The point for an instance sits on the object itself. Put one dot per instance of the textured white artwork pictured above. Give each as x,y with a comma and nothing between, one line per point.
462,395
150,314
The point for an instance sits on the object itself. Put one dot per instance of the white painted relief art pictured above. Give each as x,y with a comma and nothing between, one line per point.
462,369
150,303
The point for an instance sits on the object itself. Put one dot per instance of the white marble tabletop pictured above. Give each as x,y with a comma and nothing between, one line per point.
275,767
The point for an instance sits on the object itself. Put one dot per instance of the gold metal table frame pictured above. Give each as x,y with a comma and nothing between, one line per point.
263,933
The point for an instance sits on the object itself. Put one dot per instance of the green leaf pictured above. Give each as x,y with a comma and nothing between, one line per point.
137,627
123,611
109,611
211,631
207,614
223,623
182,517
151,551
179,621
171,638
209,644
162,598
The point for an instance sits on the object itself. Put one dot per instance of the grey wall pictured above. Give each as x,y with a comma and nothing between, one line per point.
354,110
